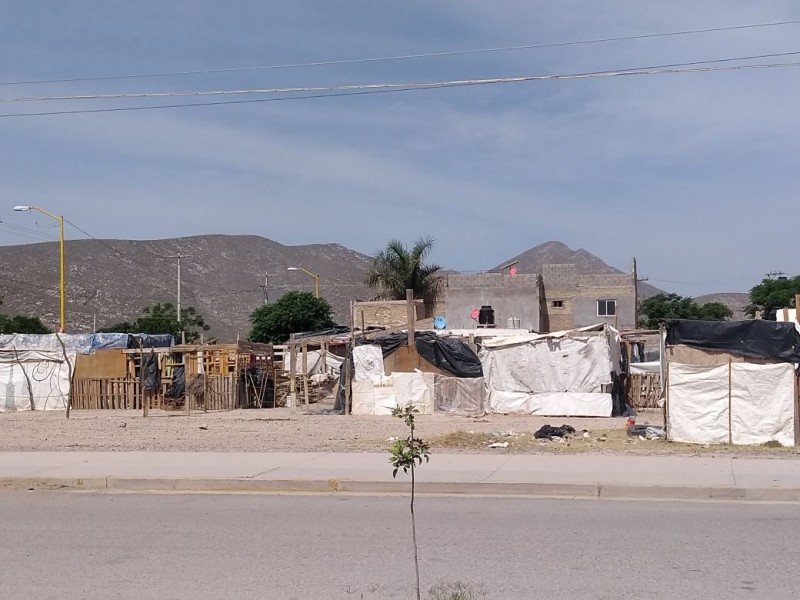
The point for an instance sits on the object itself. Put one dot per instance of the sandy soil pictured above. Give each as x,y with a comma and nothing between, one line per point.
281,430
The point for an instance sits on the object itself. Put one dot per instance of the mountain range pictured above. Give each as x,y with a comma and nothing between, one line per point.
223,277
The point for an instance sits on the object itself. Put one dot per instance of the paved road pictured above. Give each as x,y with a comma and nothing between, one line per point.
143,546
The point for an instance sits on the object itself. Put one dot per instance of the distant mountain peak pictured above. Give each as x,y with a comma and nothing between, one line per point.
558,253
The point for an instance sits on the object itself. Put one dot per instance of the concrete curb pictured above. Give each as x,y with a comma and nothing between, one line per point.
346,486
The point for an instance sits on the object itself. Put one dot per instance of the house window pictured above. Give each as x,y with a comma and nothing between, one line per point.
606,308
558,304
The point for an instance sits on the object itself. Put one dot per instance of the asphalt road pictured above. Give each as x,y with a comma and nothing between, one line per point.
141,546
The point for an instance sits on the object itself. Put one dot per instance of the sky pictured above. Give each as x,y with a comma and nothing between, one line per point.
694,174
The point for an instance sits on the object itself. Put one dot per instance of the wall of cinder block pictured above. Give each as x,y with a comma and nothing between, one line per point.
391,314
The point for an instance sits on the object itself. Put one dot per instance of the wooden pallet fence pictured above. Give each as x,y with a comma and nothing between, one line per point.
112,394
644,390
221,392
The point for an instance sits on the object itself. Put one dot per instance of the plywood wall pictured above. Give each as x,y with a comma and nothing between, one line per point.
105,364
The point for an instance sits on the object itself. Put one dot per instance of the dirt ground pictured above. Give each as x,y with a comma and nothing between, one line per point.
280,430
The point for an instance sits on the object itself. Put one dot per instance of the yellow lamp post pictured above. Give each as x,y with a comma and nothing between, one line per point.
60,220
314,275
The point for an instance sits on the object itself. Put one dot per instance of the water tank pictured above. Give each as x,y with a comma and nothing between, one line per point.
486,316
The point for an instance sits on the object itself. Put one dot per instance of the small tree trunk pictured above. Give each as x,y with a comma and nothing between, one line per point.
414,533
414,520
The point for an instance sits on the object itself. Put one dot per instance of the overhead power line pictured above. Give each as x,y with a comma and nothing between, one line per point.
403,57
374,88
656,70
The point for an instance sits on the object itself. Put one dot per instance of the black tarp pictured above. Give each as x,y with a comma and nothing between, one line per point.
756,339
151,373
451,355
178,388
144,340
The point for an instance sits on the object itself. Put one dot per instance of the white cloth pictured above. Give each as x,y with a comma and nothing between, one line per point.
44,375
368,363
760,406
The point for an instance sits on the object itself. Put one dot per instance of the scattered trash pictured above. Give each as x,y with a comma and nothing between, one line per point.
204,427
546,431
509,433
602,438
123,425
586,434
499,445
647,432
392,439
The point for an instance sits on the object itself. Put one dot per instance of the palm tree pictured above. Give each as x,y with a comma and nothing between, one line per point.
397,269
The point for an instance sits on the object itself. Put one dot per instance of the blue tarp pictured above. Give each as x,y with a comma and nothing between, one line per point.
83,343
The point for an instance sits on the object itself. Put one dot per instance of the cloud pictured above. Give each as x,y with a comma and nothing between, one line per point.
675,169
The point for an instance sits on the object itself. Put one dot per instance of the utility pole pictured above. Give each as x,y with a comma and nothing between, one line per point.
265,287
179,256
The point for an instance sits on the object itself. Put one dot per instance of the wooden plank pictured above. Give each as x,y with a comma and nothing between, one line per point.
305,374
411,311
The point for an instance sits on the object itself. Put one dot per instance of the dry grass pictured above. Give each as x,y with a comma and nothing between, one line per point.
603,440
280,430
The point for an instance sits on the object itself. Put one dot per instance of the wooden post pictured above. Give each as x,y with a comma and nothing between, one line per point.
305,374
796,409
412,317
797,308
187,398
730,401
145,397
348,369
206,398
324,351
292,369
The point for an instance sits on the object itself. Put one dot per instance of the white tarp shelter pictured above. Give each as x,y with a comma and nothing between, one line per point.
41,377
738,403
731,382
376,393
558,374
40,366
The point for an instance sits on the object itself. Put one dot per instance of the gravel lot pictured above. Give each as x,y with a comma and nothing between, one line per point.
284,431
245,430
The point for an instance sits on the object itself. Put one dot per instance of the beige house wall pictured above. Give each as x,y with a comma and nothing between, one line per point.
391,314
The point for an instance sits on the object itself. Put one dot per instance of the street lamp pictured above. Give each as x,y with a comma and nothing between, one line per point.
314,275
60,219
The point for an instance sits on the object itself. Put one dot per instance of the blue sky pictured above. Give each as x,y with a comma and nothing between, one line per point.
695,174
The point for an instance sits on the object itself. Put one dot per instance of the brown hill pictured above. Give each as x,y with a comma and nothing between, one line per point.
558,253
113,280
736,301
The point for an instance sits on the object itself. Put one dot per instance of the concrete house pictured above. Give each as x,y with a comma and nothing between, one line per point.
558,298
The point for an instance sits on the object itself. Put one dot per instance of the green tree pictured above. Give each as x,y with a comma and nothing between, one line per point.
672,306
405,454
772,294
295,312
163,319
396,269
21,324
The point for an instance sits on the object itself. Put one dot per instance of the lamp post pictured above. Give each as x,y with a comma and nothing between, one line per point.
314,275
60,220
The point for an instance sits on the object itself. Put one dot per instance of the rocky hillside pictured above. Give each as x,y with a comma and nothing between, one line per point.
113,280
557,253
734,300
